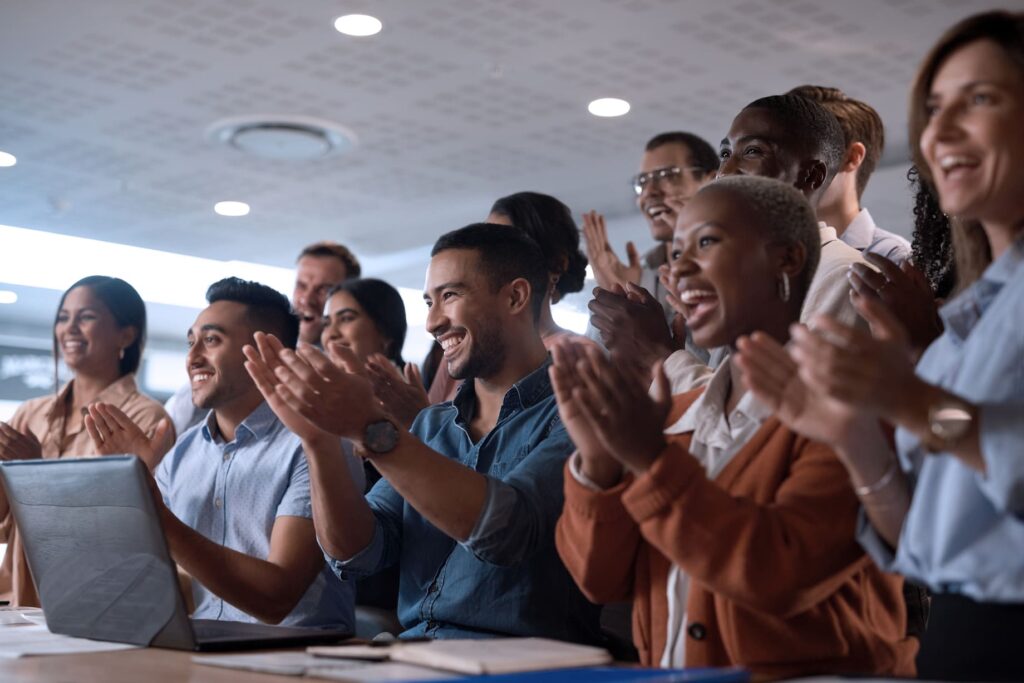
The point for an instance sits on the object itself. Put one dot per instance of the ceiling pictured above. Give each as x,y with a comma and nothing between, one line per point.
106,104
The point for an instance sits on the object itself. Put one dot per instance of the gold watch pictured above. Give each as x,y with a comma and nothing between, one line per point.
949,421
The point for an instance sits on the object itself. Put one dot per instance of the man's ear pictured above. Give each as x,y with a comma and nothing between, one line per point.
811,176
855,154
519,292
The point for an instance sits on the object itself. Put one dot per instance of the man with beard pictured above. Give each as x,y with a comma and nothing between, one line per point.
472,491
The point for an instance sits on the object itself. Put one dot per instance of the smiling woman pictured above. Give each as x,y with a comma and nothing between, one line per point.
99,332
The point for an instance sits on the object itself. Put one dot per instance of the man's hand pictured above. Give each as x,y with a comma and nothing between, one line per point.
596,463
113,433
905,292
401,393
332,399
632,324
17,446
608,269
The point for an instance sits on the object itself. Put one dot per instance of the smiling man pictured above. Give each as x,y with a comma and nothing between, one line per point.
470,494
236,503
320,266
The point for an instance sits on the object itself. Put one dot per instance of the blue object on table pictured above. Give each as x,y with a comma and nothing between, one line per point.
609,674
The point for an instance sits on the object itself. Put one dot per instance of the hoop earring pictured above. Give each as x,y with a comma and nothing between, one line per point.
784,288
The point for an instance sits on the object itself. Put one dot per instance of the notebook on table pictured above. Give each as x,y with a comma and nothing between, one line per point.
98,554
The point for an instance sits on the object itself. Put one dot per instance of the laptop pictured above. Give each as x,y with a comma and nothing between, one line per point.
100,561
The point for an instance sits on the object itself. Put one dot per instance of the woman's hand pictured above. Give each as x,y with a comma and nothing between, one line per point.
17,446
772,374
114,433
905,292
596,463
872,371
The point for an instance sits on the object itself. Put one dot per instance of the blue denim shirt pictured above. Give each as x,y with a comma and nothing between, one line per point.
964,532
233,492
506,579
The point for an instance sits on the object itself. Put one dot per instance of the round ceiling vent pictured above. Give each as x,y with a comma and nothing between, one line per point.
290,138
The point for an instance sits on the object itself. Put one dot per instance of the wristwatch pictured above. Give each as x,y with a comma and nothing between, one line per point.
380,437
949,421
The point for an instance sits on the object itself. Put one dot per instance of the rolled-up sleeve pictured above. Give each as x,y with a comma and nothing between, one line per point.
521,508
1001,435
384,548
873,544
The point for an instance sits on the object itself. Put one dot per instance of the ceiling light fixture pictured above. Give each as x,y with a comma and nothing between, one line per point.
607,107
7,159
8,297
358,25
231,208
283,137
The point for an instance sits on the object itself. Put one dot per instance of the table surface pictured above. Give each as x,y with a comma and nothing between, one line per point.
145,665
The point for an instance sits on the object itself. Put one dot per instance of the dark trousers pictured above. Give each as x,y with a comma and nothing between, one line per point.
972,641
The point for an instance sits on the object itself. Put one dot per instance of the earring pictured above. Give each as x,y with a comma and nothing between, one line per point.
784,287
120,354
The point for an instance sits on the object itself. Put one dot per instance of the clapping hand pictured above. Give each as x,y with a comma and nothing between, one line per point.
906,293
632,324
17,446
401,393
609,270
312,386
113,432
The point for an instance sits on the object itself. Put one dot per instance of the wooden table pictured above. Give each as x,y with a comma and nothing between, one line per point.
146,665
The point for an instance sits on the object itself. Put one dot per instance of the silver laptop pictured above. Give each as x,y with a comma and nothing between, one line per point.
100,561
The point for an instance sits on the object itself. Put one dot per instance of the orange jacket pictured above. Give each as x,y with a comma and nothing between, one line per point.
778,582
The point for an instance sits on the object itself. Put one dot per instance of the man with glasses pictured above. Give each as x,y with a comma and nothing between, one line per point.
624,316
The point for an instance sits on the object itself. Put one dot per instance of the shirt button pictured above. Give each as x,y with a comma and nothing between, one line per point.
432,588
227,456
697,631
218,503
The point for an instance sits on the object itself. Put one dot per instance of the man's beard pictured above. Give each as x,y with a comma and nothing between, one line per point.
487,355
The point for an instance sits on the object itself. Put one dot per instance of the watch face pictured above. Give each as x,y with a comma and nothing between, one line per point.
381,436
950,422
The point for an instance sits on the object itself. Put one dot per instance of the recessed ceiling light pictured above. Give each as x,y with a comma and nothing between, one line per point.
231,208
608,106
8,297
359,25
7,159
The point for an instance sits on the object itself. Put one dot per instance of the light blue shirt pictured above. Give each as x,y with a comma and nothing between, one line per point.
964,532
863,235
232,493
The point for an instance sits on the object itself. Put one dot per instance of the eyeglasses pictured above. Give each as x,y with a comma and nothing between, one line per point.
669,173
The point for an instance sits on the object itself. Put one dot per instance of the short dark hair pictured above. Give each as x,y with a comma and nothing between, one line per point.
334,250
505,255
267,309
128,309
384,306
859,121
808,124
549,222
702,154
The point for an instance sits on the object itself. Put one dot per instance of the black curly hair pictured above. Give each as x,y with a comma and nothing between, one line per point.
933,238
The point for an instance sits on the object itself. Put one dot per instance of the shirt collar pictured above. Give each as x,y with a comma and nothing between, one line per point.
115,394
523,394
860,233
706,412
827,233
256,425
962,313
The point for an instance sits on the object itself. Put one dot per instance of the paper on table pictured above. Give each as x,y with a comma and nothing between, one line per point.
285,663
390,671
500,655
370,653
35,639
301,664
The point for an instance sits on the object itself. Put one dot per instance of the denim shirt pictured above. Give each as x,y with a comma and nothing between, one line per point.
506,579
964,532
